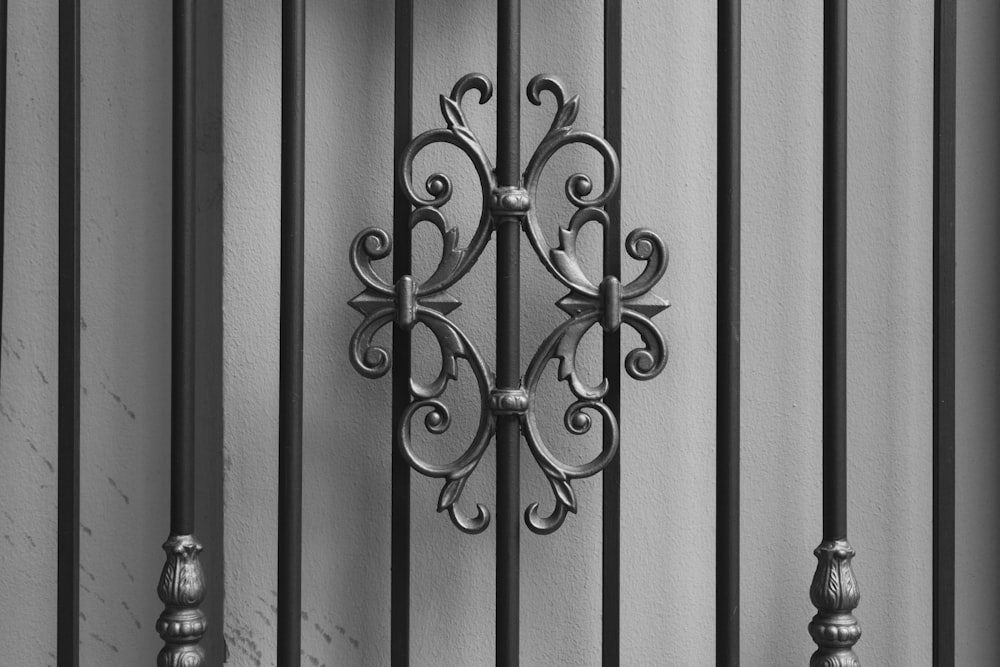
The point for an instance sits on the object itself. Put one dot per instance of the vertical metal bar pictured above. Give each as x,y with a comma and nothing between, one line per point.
834,272
182,340
68,593
834,590
182,582
945,39
401,266
727,569
611,478
208,419
291,333
508,334
3,143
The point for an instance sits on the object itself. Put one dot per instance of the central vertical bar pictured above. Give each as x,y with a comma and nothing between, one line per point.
727,564
399,603
611,356
835,272
293,98
945,20
508,173
68,558
182,337
834,591
3,140
182,581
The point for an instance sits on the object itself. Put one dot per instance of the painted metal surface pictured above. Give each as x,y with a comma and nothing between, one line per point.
293,101
727,476
68,575
943,421
182,587
834,590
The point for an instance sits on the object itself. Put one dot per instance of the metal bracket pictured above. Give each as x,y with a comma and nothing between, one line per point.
509,401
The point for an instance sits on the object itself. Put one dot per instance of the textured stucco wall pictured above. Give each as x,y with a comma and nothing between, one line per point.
668,435
125,332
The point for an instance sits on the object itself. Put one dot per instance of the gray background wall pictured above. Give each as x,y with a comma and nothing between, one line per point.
668,433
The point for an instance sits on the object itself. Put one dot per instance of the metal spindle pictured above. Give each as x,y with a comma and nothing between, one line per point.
399,607
611,362
182,583
508,329
68,520
3,143
945,38
727,572
291,333
834,591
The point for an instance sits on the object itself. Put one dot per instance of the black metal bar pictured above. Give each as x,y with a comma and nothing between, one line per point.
727,569
208,242
834,590
182,339
611,478
402,133
181,587
508,326
834,272
945,41
3,144
68,593
293,52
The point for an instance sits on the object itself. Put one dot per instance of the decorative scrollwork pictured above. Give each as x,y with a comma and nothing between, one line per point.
408,302
454,345
606,303
455,262
562,344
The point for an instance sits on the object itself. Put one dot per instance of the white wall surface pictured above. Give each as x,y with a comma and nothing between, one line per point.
668,426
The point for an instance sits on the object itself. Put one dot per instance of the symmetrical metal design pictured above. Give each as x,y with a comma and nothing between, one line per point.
182,589
834,593
409,302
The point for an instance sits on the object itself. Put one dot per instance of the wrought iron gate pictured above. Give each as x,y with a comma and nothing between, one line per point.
508,389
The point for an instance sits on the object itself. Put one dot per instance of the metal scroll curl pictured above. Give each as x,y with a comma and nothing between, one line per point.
409,302
455,261
454,345
608,304
562,344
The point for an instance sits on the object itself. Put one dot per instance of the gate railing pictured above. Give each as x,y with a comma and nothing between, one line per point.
506,395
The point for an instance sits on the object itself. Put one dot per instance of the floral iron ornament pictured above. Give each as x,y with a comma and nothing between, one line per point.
608,304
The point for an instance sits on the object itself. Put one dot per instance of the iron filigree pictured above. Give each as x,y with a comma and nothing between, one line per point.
607,304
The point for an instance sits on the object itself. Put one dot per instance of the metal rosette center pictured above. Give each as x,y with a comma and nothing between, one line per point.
509,204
